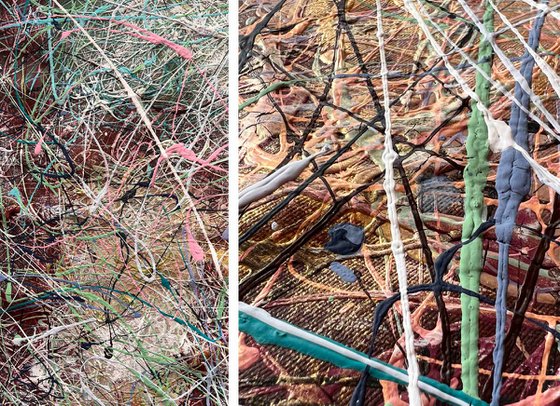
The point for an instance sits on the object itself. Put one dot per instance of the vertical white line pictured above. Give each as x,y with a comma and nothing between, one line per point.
389,156
233,274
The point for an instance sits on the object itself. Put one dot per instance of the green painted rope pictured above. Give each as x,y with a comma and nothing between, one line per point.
475,175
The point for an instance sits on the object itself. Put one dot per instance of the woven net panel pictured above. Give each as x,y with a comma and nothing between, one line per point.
310,78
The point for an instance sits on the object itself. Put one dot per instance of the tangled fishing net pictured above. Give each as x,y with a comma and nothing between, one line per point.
113,199
399,165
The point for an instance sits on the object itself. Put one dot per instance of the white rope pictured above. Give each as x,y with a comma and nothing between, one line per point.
48,333
265,317
409,5
551,75
389,156
517,76
487,77
500,138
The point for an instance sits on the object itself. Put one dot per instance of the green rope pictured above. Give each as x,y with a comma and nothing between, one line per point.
475,175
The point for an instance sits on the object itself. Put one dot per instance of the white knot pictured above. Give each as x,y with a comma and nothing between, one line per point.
499,134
